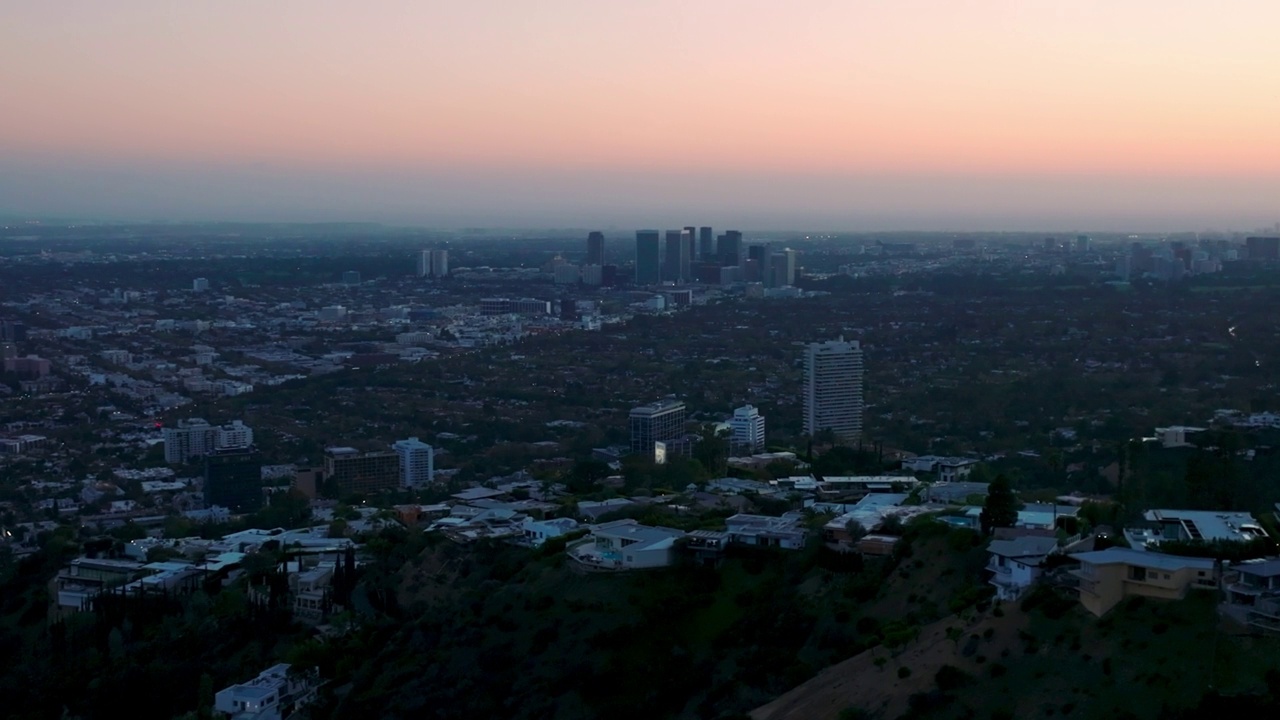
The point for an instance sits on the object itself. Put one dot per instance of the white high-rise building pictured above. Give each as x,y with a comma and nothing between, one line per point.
196,437
833,389
417,462
200,284
747,425
236,436
424,263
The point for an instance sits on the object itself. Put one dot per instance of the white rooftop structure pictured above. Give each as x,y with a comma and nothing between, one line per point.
1195,525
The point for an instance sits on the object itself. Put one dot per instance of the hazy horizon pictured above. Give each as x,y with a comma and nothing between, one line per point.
920,115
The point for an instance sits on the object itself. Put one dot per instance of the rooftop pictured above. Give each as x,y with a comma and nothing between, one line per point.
1158,561
1029,546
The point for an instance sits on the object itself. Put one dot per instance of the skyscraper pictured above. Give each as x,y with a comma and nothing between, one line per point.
648,258
595,248
833,389
782,269
706,244
729,248
424,263
676,265
439,263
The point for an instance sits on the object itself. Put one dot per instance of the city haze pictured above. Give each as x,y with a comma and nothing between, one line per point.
920,115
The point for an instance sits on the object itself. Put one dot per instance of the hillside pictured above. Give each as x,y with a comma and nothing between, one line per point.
1144,660
494,631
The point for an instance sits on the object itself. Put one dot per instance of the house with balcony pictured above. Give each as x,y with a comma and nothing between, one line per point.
1255,594
1109,576
1016,564
626,545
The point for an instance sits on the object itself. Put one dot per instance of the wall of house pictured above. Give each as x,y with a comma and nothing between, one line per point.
1113,583
660,557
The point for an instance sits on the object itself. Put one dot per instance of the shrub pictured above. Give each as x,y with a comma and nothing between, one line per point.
950,677
904,672
998,670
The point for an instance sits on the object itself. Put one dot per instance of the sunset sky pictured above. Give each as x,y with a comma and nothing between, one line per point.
810,114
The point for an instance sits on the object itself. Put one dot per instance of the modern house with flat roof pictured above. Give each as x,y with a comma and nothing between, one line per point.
627,545
787,531
1194,525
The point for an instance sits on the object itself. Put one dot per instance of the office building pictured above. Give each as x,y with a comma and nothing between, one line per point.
782,269
833,389
592,275
507,306
691,237
706,244
747,425
1123,267
648,258
1083,243
31,367
757,267
200,284
439,263
657,428
424,263
676,265
595,248
195,437
417,463
12,331
233,480
566,274
351,277
1263,248
729,248
348,471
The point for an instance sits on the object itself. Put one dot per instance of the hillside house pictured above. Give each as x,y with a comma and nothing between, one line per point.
1016,564
1109,576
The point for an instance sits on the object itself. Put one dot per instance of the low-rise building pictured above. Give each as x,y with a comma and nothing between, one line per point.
1109,576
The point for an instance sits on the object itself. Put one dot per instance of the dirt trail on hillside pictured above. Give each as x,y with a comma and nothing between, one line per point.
857,682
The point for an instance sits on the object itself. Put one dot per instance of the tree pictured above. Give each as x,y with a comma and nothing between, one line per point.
1001,507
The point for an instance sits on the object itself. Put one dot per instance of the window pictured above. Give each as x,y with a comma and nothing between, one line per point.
1138,573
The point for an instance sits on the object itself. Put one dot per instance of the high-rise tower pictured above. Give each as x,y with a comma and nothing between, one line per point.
648,254
833,389
595,248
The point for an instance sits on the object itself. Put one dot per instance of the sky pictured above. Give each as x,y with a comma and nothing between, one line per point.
805,114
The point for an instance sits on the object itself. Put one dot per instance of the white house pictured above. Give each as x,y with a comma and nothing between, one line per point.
274,695
537,532
1016,564
626,544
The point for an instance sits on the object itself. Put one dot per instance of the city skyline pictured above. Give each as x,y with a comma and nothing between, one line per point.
919,115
